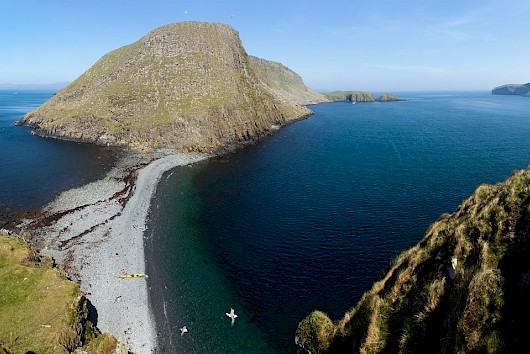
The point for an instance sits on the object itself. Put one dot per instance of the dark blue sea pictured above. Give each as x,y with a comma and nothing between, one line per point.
33,170
311,217
304,220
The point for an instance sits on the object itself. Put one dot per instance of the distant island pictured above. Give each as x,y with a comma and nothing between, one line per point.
359,96
512,89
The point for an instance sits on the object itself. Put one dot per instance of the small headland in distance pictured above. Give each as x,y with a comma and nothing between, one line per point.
512,89
359,96
184,92
463,288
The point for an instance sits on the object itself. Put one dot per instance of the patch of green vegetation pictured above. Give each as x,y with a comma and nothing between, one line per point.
40,310
33,301
105,344
388,97
316,332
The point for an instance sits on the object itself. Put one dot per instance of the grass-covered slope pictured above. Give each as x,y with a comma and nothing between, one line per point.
187,86
463,288
40,310
283,83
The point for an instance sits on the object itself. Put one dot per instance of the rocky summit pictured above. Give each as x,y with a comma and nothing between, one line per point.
189,86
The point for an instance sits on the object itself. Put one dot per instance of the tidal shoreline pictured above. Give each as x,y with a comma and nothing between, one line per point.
96,232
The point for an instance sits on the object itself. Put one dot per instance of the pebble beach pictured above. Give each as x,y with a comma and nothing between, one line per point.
96,233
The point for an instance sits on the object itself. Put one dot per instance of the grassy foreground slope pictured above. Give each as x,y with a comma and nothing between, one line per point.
40,310
463,288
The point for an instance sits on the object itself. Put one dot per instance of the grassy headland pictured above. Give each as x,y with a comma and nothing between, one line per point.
463,288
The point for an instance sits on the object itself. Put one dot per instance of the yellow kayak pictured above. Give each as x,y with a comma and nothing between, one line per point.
126,275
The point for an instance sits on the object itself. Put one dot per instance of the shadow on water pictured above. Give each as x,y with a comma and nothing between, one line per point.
92,313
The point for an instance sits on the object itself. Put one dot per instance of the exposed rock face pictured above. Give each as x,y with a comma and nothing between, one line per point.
512,89
463,288
188,86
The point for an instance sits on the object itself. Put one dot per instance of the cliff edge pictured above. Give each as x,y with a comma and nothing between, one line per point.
189,86
463,288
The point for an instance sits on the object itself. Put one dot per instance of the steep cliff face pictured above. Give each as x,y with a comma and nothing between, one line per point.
463,288
283,83
512,89
188,86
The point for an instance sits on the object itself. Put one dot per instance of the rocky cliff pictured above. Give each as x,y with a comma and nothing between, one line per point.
463,288
512,89
189,86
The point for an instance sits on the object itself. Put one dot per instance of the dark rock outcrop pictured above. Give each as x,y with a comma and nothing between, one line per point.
189,86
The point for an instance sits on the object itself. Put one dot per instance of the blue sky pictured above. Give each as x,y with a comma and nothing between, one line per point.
377,45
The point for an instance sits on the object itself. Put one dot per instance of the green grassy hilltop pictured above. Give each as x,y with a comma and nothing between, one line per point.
189,86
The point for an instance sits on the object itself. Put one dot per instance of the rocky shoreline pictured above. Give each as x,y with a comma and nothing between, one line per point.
97,231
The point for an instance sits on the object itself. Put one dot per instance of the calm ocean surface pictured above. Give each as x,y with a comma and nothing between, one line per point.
306,219
311,217
33,170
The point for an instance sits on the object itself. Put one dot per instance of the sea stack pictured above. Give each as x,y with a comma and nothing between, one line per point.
189,86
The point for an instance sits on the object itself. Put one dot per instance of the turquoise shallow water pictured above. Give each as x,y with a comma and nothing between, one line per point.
312,216
34,169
